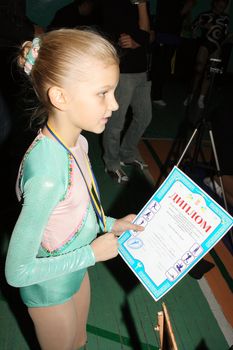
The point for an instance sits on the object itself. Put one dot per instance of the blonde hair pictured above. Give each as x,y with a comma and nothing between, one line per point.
64,54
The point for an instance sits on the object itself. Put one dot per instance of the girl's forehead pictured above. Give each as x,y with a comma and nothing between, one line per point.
95,72
94,62
95,66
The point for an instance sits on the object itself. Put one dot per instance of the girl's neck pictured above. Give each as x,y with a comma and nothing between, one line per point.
68,133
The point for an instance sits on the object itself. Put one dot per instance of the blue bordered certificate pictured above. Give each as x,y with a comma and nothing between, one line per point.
182,223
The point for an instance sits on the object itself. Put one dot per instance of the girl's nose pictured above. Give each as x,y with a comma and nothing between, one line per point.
114,105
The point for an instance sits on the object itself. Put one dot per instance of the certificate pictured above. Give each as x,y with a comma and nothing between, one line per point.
182,223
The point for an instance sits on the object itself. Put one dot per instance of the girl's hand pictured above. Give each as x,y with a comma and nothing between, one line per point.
105,247
124,224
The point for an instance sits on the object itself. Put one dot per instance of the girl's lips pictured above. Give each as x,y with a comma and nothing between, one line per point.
105,119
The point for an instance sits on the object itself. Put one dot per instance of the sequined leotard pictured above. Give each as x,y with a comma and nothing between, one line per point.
50,246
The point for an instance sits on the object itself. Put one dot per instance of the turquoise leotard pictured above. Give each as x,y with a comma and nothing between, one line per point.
50,246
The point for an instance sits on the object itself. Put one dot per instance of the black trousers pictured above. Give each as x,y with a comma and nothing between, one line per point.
160,68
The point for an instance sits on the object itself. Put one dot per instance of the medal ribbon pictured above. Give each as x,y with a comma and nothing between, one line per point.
93,190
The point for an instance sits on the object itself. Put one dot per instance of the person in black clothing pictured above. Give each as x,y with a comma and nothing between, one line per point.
222,127
14,23
5,120
214,25
78,13
167,27
15,27
127,25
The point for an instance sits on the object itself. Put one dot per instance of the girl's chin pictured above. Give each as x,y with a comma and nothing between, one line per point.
98,130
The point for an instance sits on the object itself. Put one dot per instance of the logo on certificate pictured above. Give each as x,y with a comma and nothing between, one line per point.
171,274
154,206
135,243
187,258
180,266
196,249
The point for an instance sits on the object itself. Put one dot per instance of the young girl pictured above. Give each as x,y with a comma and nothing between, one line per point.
74,74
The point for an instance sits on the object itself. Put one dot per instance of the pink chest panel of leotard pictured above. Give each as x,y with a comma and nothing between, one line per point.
67,217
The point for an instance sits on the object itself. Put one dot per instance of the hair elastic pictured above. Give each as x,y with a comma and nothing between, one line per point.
32,56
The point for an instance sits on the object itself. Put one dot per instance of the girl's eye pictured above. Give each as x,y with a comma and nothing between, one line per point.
103,93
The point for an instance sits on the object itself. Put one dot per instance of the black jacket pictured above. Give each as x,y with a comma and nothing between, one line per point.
120,16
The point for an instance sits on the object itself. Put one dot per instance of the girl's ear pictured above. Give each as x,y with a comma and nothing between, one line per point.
58,98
